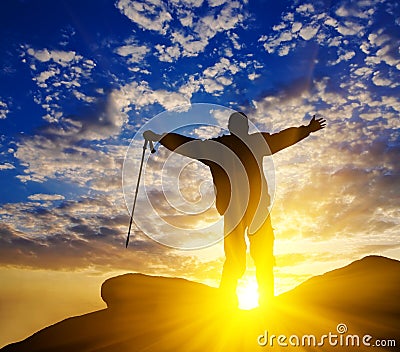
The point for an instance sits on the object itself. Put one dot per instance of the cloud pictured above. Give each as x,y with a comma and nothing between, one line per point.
382,47
168,54
194,33
308,32
338,188
53,157
58,73
46,197
6,166
4,110
135,53
214,3
57,152
353,10
253,76
45,75
272,43
150,15
62,58
330,185
88,233
217,78
379,80
314,22
345,56
349,28
296,27
305,8
62,152
141,95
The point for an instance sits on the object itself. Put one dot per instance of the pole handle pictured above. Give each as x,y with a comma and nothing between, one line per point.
152,147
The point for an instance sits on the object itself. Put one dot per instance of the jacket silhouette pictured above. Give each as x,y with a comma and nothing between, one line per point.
236,164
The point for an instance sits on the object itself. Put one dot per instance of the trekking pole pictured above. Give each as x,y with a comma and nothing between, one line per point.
137,186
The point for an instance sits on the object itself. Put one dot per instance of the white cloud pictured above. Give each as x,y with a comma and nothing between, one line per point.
219,75
46,197
329,21
140,95
43,76
349,28
353,11
253,76
364,158
279,27
312,22
379,80
370,116
220,68
296,27
194,33
284,50
363,71
168,54
289,17
214,3
151,15
54,70
305,8
336,41
308,32
273,43
224,80
57,155
191,86
387,55
263,38
208,26
187,19
188,3
6,166
378,38
211,85
167,99
382,49
4,110
190,45
61,57
83,97
346,56
135,53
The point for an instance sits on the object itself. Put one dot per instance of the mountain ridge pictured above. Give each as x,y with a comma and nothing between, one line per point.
155,313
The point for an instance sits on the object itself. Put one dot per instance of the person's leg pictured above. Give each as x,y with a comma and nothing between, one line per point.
235,261
261,250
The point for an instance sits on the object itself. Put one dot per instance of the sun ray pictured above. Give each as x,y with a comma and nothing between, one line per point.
247,292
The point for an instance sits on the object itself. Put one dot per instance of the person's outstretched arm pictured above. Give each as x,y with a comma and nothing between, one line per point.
292,135
171,141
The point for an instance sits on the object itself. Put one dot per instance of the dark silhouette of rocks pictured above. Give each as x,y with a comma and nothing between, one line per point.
148,313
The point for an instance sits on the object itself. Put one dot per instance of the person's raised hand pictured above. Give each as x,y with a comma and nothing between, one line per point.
316,124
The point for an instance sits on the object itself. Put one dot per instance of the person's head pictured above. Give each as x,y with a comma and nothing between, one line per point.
238,124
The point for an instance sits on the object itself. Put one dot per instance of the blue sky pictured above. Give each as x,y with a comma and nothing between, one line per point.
79,78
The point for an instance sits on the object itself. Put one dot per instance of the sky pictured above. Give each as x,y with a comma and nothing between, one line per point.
81,80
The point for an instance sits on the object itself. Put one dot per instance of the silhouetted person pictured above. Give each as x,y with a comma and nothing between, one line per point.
235,161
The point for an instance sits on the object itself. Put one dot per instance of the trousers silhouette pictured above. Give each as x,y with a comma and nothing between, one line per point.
236,164
261,250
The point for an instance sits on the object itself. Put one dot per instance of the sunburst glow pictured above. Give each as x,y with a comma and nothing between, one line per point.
247,292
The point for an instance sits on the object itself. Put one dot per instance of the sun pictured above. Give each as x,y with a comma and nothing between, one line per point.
247,292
